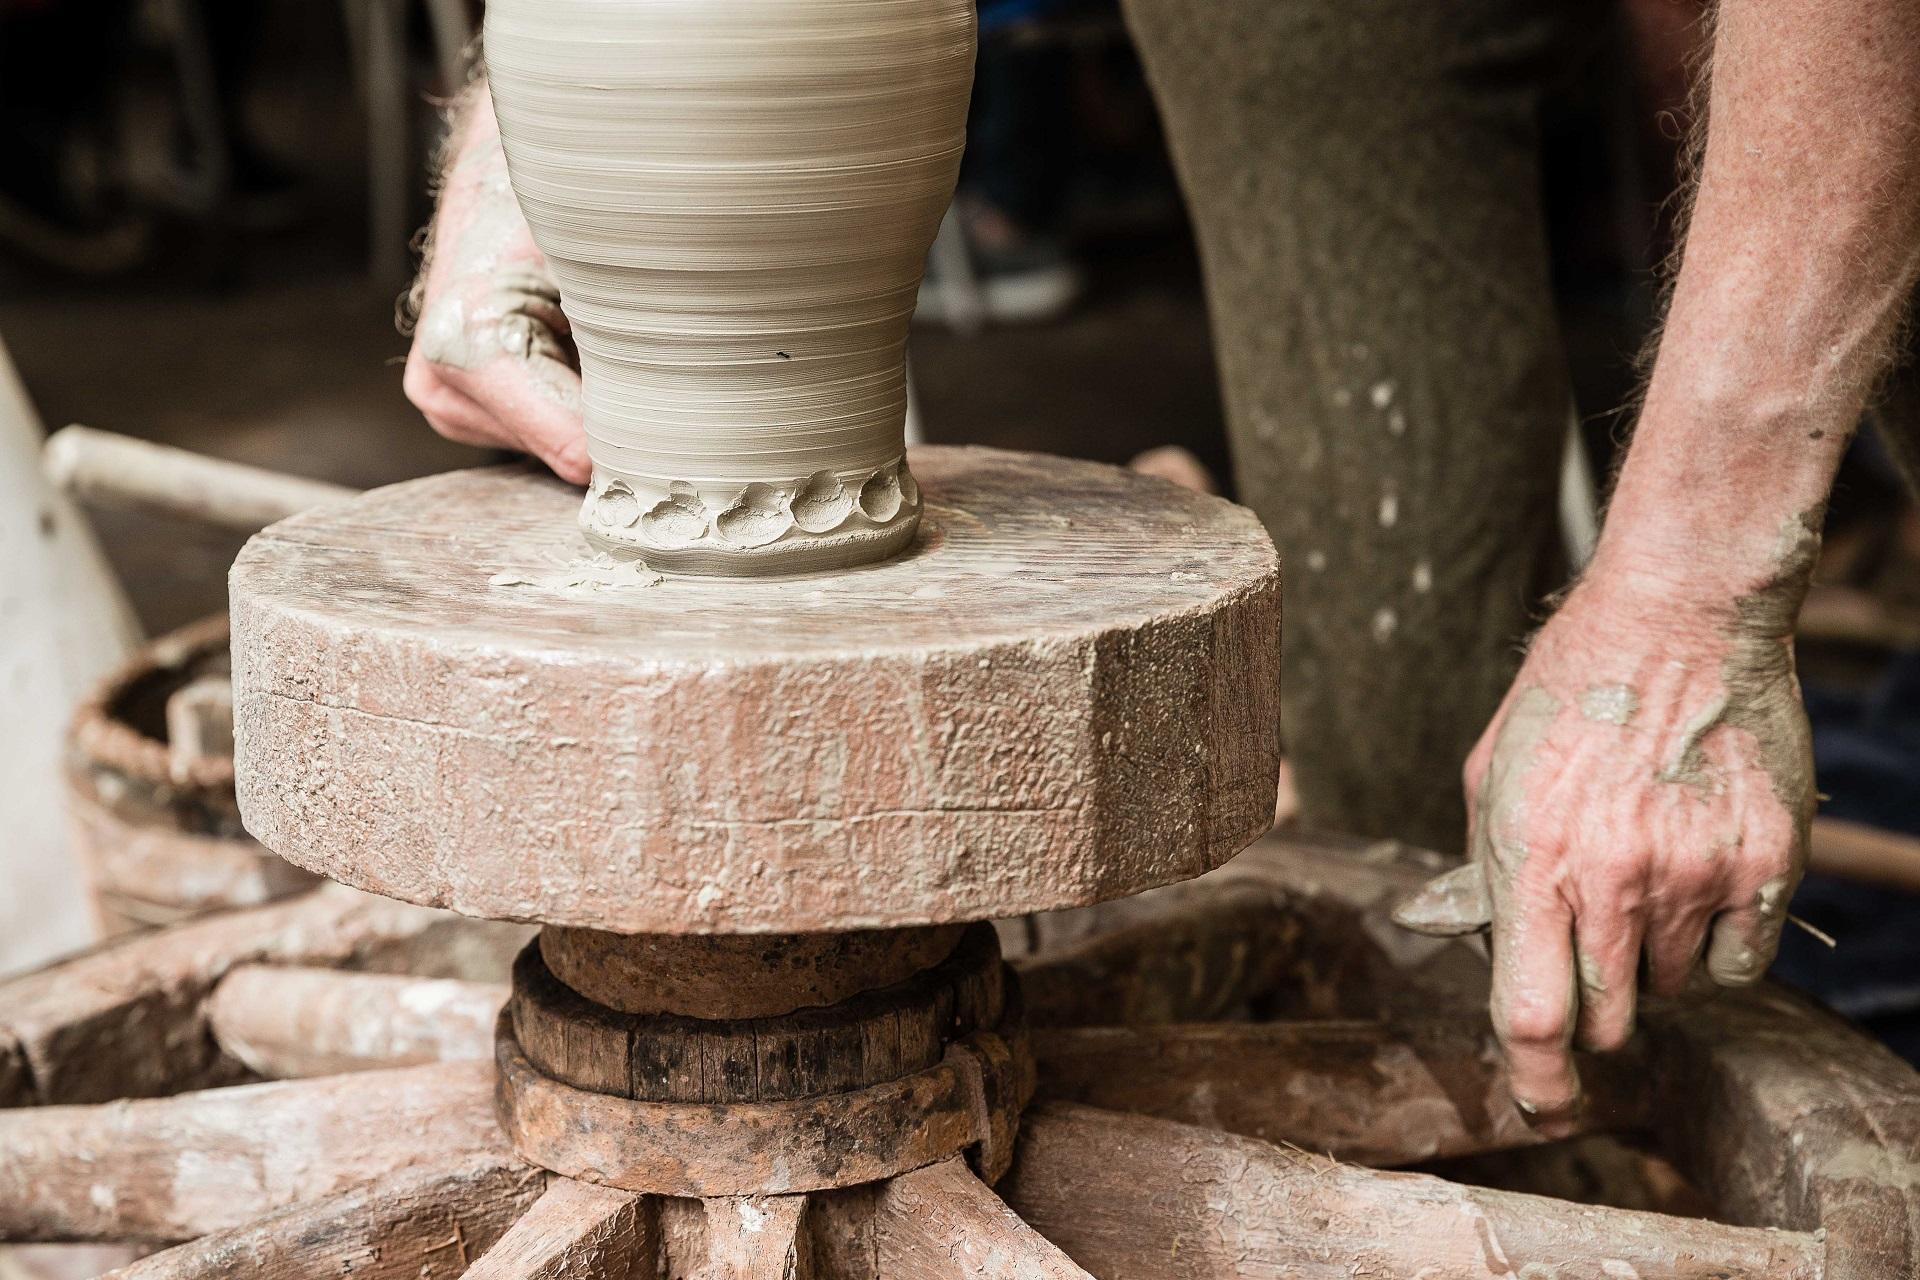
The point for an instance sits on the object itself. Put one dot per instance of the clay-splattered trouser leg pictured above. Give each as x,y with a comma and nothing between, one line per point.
1363,177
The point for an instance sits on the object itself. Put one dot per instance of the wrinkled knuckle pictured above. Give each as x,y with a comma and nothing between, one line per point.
421,383
1620,883
1695,882
445,336
1532,1023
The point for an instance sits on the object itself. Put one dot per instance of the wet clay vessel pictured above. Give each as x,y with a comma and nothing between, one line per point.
736,198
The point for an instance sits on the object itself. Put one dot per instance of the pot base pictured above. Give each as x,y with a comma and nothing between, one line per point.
819,523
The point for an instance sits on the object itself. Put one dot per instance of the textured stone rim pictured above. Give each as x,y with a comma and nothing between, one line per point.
1066,691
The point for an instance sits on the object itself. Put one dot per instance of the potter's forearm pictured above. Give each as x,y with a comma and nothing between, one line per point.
473,182
1803,248
491,363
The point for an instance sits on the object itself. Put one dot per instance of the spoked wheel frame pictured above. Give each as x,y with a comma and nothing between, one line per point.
1229,1074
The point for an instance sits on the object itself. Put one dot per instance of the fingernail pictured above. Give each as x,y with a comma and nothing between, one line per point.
1555,1122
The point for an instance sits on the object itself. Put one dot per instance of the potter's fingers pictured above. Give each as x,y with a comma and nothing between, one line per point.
541,400
1606,961
543,307
1673,945
1534,994
1449,905
451,412
1745,937
560,441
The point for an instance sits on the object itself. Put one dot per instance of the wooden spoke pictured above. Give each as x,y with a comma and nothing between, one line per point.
1294,923
1128,1196
416,1224
1208,952
1363,1091
1782,1113
286,1022
757,1238
574,1231
943,1223
174,1168
127,1019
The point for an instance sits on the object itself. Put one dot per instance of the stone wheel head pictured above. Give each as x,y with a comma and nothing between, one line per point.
1064,690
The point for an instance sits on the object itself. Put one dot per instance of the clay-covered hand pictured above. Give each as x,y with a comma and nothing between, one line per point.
1641,801
492,361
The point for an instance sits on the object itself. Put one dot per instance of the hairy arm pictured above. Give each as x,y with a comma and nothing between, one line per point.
1646,789
492,362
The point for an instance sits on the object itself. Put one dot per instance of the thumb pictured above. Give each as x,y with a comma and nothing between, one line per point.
1449,905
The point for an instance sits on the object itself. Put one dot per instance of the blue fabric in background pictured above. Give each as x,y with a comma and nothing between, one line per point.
1866,751
996,15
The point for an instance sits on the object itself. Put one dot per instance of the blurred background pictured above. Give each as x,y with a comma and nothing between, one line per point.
207,213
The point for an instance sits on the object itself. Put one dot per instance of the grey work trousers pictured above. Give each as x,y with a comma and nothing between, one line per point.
1364,181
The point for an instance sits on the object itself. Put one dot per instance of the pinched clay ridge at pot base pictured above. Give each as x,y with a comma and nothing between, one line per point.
828,520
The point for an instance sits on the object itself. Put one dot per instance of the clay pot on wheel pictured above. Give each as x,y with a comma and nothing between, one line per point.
736,198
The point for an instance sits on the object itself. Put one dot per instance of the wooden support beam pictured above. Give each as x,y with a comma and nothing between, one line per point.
1364,1091
575,1231
1783,1113
1127,1196
175,1168
943,1223
417,1224
757,1238
1208,953
127,1019
288,1022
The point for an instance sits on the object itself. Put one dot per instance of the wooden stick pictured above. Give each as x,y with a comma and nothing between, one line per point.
175,1168
115,470
1871,855
1364,1091
942,1223
286,1022
417,1224
126,1020
576,1230
1112,1190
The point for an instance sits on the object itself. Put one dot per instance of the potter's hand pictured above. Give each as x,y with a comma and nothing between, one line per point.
492,361
1642,798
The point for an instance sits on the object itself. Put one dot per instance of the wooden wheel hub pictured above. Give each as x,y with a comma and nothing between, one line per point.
884,1082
